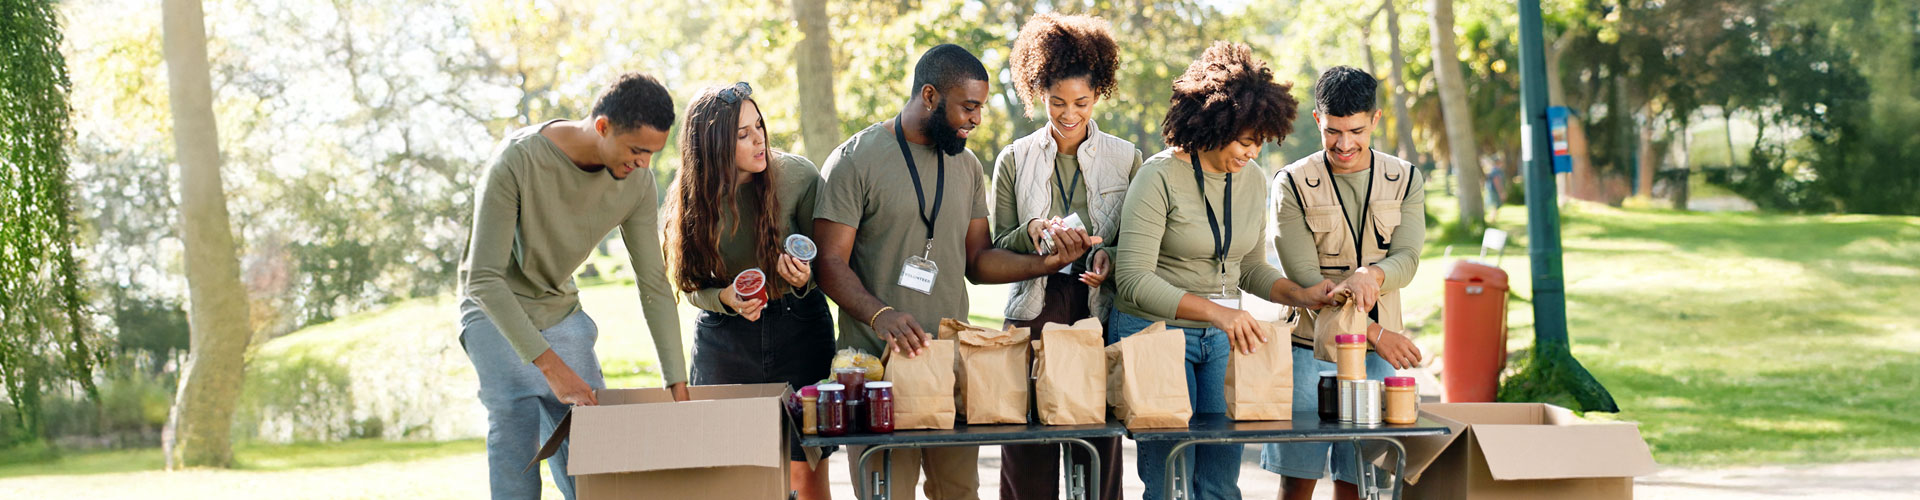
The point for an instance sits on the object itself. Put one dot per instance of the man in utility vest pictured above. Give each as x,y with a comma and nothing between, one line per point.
1358,217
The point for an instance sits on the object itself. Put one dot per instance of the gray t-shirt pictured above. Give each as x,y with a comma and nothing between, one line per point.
869,188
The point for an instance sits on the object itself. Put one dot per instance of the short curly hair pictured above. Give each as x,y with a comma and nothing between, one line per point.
633,100
1052,47
1224,93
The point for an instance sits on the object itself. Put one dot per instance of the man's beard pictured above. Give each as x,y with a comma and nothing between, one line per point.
946,139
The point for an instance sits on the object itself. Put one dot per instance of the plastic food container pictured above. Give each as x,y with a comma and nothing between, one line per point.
751,284
1352,358
1329,396
802,247
1403,402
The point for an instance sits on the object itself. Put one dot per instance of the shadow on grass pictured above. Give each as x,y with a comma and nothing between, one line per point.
249,457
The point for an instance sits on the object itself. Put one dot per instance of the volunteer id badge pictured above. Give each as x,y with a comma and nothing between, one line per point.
917,273
1229,300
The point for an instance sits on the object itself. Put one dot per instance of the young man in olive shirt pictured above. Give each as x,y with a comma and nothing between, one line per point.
550,193
902,217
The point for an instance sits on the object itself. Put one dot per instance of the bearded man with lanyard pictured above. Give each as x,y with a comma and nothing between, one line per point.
1355,216
889,255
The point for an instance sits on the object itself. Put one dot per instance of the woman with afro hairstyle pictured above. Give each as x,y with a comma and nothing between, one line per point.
1193,237
1066,169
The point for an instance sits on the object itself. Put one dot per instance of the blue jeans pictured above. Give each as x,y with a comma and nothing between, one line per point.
1214,469
1310,460
521,409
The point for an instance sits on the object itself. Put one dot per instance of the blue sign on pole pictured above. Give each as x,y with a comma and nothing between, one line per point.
1557,126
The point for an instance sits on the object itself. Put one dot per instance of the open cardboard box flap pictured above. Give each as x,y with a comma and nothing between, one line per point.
1533,441
721,426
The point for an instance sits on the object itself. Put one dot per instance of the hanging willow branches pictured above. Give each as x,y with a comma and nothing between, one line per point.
43,338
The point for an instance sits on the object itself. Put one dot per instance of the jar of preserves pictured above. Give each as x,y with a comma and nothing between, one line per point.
1329,391
833,410
855,381
880,407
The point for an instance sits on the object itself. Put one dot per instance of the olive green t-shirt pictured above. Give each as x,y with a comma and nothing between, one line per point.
1166,245
796,185
536,217
869,187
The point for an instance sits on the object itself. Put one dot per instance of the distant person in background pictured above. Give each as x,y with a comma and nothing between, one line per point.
1193,237
730,209
1355,216
549,194
1066,64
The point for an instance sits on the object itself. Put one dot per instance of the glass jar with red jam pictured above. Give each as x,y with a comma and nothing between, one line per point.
855,380
833,410
880,407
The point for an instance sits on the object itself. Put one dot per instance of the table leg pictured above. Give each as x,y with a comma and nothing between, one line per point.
1179,487
1087,482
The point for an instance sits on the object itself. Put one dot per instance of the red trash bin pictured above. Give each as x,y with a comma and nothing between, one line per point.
1475,318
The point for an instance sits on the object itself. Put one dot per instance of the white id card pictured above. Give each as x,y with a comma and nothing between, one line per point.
1229,300
917,273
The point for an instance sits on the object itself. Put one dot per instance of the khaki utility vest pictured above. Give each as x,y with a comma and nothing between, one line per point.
1347,245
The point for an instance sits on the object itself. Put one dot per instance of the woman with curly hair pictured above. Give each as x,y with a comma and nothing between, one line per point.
1066,169
1193,236
729,210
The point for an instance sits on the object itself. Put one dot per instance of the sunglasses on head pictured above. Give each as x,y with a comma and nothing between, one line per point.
738,92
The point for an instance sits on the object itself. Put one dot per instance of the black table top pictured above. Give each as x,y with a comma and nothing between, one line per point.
1303,425
961,433
1201,426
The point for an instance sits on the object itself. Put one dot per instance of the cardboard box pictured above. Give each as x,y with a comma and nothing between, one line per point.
728,442
1523,450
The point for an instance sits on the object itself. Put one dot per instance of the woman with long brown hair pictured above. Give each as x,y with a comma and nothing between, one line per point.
729,211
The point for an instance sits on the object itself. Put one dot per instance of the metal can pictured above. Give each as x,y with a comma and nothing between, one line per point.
1366,402
1347,389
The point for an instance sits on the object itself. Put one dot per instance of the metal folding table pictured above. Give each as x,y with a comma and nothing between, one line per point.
1081,483
1215,428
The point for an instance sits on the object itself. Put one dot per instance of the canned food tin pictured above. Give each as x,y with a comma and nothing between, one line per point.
1347,390
1366,402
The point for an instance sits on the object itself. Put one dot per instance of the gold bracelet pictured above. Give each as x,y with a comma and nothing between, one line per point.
876,315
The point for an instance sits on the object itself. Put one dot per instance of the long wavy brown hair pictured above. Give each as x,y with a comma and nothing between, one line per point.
704,188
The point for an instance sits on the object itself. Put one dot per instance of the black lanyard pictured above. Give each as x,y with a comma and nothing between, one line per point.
939,186
1219,245
1066,195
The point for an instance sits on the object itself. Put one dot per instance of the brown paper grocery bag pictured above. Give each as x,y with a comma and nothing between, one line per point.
1152,373
994,364
1331,321
1260,385
1070,374
923,387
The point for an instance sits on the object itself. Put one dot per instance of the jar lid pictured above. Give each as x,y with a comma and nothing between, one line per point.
849,369
832,387
1399,381
1329,373
880,385
1350,338
809,391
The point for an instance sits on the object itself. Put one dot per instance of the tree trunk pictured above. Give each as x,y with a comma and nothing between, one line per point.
211,380
813,58
1459,117
1402,120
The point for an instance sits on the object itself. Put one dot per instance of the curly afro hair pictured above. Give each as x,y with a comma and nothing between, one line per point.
1223,94
1053,47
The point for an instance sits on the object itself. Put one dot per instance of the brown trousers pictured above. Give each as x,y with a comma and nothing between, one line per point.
1032,471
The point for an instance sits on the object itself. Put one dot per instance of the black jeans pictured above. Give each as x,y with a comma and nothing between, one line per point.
791,343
